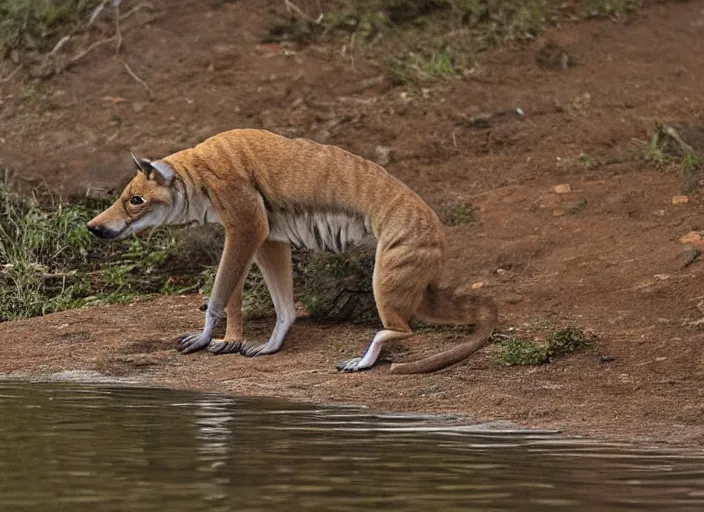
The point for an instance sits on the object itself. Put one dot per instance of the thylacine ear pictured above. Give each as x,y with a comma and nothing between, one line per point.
143,165
163,172
160,171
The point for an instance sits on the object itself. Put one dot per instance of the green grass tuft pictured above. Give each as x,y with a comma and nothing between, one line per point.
519,351
567,341
463,213
609,8
51,262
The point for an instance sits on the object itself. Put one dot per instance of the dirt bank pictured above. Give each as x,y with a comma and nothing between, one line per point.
604,256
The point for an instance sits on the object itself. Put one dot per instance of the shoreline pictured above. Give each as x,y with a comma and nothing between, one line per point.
576,395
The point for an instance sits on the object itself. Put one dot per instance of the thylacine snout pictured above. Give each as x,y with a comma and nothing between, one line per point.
270,192
101,231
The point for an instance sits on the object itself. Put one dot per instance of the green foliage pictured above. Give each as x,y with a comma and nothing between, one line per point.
519,351
51,262
425,66
257,300
609,8
659,151
667,148
567,341
463,213
39,20
338,287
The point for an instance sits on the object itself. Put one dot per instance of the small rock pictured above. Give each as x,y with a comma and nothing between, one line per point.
607,359
680,200
576,206
687,256
383,155
696,323
692,237
138,106
477,285
558,212
563,188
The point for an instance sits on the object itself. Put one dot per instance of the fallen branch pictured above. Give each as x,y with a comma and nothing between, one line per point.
138,7
118,47
48,70
85,52
118,32
58,45
13,73
291,7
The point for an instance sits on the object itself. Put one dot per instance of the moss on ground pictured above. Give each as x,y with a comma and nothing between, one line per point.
560,342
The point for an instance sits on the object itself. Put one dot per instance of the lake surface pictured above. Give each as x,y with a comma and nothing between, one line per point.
77,447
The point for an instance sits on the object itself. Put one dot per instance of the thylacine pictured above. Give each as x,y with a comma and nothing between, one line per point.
269,192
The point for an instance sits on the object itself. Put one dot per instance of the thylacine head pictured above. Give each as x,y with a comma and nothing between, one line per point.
151,199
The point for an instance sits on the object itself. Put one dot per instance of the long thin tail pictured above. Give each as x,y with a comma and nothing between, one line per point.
447,306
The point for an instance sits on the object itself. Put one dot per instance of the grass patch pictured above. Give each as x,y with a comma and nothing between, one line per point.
463,213
438,38
517,351
52,262
38,24
679,147
582,161
520,351
609,8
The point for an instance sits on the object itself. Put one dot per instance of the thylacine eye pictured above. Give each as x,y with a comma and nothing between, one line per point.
136,200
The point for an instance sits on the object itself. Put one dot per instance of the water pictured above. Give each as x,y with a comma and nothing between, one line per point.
99,448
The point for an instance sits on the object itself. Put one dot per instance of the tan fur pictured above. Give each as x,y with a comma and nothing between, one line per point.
262,188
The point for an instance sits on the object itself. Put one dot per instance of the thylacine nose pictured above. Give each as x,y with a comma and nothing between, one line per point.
99,230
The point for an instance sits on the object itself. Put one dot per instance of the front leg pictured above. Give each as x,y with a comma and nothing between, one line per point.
233,340
244,234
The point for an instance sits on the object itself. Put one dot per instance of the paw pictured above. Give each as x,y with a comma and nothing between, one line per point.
351,365
189,343
250,350
224,347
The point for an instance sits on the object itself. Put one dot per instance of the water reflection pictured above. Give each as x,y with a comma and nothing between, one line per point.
73,447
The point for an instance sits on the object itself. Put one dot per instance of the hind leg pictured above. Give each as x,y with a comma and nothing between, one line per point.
399,285
366,361
274,260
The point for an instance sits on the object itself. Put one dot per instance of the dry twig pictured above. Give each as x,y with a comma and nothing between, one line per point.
291,7
13,73
135,76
